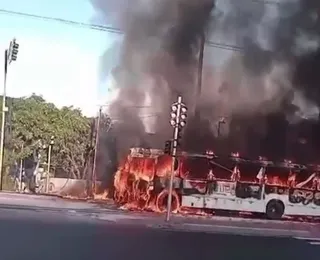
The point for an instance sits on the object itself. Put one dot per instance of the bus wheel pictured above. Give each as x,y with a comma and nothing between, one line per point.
161,201
275,209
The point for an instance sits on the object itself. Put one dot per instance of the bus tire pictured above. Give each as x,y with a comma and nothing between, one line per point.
161,201
275,209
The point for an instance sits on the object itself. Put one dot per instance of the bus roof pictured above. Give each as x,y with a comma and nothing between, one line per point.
154,153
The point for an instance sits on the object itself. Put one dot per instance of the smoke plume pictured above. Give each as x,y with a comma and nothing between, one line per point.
275,38
274,78
158,62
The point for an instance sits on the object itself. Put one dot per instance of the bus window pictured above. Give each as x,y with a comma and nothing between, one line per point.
163,167
195,168
277,176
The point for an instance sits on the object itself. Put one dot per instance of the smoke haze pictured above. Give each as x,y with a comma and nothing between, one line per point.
273,82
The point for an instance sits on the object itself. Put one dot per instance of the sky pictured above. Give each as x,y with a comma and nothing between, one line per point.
55,60
62,62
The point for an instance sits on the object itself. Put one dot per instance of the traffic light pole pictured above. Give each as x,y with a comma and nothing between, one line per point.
3,117
174,154
9,56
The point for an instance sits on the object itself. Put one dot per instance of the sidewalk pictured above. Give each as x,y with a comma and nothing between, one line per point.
42,202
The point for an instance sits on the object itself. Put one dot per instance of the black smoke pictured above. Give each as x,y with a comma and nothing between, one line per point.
157,63
276,75
268,93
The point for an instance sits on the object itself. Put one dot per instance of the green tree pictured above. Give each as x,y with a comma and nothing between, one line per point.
33,123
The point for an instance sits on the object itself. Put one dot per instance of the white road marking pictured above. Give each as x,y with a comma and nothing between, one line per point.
238,230
314,243
247,228
310,240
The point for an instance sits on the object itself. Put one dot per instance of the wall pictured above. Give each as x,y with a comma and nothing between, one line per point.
70,187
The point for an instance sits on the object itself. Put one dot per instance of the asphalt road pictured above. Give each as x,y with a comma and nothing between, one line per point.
27,234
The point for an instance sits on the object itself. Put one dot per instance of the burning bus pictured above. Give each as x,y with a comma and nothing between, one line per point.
210,182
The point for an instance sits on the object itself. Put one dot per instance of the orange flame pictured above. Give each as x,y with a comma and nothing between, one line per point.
137,180
133,183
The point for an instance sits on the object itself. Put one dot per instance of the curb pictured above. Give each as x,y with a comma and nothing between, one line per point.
54,209
30,195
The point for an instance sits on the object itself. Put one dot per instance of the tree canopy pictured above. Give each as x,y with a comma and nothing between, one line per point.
34,121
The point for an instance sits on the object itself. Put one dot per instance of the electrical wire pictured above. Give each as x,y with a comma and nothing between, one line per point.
224,46
104,28
111,29
60,20
265,2
134,106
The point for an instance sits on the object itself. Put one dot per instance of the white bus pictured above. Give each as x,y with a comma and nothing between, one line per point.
204,182
274,200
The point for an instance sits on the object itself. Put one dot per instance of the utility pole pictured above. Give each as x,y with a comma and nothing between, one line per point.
94,173
200,65
20,170
220,122
9,56
49,163
178,121
89,159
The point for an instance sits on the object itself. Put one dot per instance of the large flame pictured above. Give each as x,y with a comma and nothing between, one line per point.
138,176
133,182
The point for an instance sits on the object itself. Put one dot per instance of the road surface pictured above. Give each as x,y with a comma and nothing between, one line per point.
39,227
26,234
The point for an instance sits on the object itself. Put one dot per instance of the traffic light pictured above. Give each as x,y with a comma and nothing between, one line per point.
179,136
108,123
14,50
178,120
178,115
168,147
52,140
183,115
174,115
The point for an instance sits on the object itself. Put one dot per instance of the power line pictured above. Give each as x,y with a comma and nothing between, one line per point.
224,46
265,2
104,28
65,21
111,29
131,106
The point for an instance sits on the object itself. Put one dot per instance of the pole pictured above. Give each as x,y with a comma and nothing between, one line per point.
48,169
89,159
174,154
94,174
20,176
219,128
3,117
200,65
20,172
